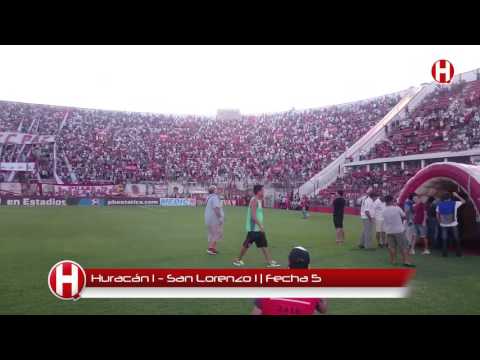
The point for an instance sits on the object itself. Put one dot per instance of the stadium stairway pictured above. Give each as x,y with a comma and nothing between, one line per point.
413,96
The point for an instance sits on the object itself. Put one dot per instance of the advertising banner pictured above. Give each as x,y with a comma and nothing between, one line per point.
128,201
143,201
86,201
12,200
177,202
32,201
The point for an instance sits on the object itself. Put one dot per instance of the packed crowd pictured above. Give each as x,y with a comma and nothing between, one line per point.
447,120
95,146
356,183
32,119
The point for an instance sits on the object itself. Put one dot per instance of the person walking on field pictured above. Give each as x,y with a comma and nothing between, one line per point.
408,209
393,218
214,219
255,229
367,212
338,211
433,227
305,204
420,225
379,206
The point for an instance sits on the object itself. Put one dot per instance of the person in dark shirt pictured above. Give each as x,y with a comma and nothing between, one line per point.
433,227
338,209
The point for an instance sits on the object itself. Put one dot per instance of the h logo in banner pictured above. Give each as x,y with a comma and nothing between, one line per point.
443,71
66,280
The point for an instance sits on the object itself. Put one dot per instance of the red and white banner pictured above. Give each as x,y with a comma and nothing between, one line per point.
11,188
17,166
136,190
131,167
243,283
81,190
22,138
160,189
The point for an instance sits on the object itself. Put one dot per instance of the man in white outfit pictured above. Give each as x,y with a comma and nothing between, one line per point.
367,213
214,218
379,206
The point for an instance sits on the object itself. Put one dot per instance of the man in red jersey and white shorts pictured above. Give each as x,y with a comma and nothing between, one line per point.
299,258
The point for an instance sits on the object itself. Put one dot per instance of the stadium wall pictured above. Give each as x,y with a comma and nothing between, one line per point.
329,210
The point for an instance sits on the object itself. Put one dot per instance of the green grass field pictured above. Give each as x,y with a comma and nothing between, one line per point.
34,239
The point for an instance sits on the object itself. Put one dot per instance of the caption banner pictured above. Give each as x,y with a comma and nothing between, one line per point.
68,280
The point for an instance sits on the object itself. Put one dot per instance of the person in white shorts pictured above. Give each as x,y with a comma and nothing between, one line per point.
214,218
379,206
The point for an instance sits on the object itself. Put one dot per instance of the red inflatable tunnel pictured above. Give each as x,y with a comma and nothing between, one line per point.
465,176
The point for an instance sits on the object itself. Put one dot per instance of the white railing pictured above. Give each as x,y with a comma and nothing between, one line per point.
417,157
71,172
329,174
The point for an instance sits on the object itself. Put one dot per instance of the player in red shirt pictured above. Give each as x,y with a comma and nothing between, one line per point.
420,226
299,258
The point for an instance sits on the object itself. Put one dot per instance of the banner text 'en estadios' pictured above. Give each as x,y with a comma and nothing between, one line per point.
30,201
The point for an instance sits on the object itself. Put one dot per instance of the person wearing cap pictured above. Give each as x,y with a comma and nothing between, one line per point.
299,258
214,218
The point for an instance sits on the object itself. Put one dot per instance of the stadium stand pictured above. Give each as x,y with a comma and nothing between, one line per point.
356,183
446,120
282,149
119,147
